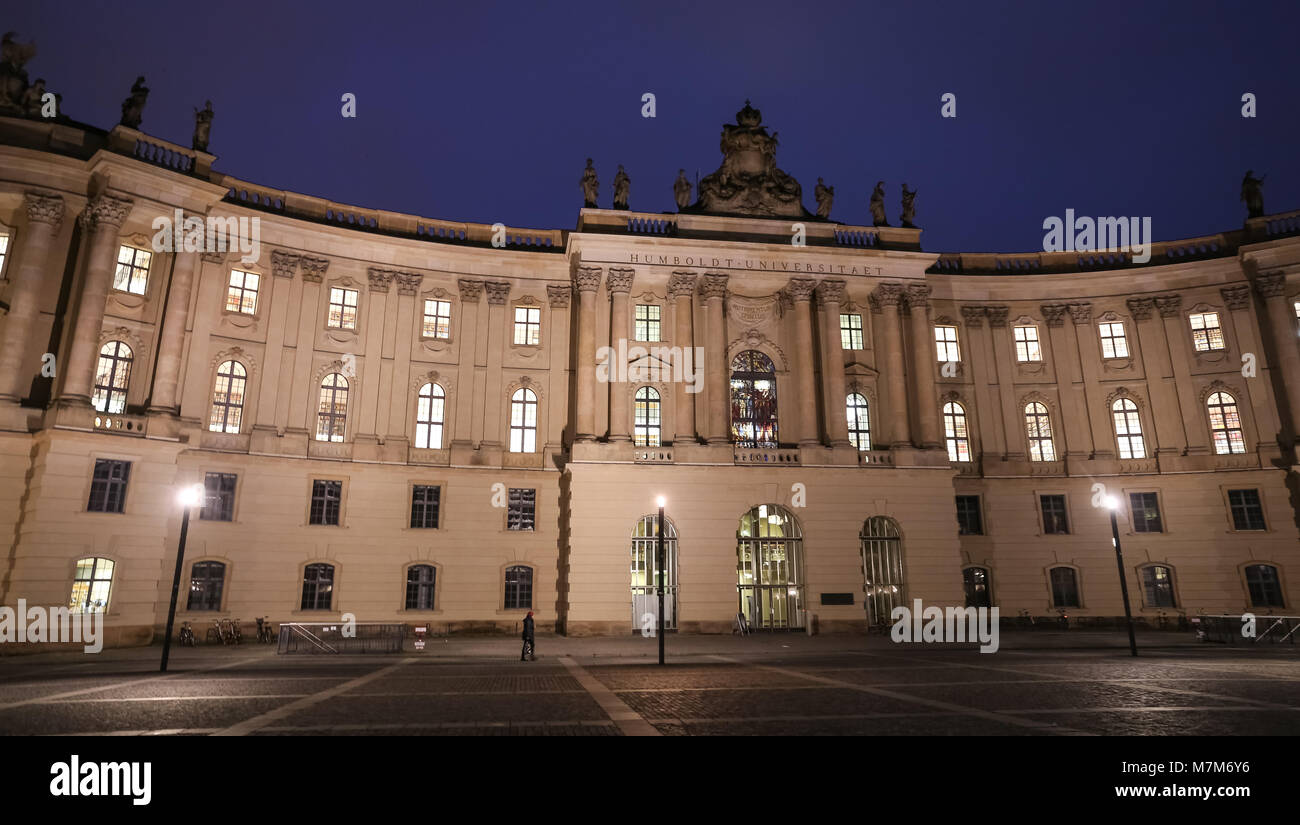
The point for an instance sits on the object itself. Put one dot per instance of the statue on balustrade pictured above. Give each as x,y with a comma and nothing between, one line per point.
622,184
32,98
749,182
133,106
1252,192
202,127
682,190
13,77
825,196
878,205
590,186
909,207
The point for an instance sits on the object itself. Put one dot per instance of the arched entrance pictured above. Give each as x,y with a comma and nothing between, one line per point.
882,569
645,573
769,568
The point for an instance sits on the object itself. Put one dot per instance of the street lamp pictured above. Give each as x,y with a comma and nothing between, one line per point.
188,498
1112,504
661,502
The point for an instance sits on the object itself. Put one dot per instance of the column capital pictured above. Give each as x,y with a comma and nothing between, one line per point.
1054,314
1141,308
831,291
1271,285
918,295
44,208
106,210
498,292
973,316
1169,305
587,278
408,283
216,258
619,279
470,290
379,278
559,294
1081,312
313,269
997,316
800,289
1236,297
284,264
682,284
714,285
889,295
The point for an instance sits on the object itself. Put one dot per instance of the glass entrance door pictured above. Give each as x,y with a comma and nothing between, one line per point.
769,569
645,574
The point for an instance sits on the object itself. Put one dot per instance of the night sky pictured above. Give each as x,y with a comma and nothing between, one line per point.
486,112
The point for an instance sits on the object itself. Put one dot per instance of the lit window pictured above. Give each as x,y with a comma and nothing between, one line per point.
1295,305
955,432
753,400
90,586
850,331
437,319
4,252
1128,429
647,322
1038,426
241,294
523,421
1027,348
521,509
945,342
1158,585
112,376
1207,335
1225,424
207,580
343,308
331,414
132,270
1114,343
228,398
429,412
646,423
859,421
528,326
1145,508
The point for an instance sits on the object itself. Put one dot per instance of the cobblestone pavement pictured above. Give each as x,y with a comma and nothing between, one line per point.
1066,684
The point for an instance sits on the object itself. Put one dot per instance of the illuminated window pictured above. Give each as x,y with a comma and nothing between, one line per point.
331,414
1225,424
1038,426
1114,343
112,376
955,433
228,398
859,421
429,411
4,252
1128,429
523,421
241,293
945,342
91,585
207,580
1145,508
647,322
343,308
528,326
1207,335
647,424
1027,348
437,319
850,331
753,400
521,509
1158,586
132,274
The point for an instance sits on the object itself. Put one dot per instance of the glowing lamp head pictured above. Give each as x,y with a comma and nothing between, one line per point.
191,495
1111,502
661,501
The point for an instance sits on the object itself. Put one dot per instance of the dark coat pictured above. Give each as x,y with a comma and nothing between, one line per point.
529,627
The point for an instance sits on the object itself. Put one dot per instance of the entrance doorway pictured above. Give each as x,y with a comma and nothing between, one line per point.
769,569
645,574
882,570
976,582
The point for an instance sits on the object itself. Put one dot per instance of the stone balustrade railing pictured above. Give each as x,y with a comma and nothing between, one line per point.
766,456
120,424
1034,263
876,458
653,455
159,152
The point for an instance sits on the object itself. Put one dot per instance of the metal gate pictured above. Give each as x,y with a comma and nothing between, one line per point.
882,570
645,574
769,569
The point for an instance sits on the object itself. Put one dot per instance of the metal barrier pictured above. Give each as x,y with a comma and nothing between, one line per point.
1227,629
328,637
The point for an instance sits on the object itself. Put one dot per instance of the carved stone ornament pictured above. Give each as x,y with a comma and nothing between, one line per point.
559,294
43,208
1236,297
889,295
620,279
498,291
283,264
1169,305
1081,312
753,312
800,289
997,315
213,257
587,278
918,295
313,269
379,279
408,283
470,290
1054,314
1272,285
682,284
1141,308
973,316
748,182
106,210
832,291
713,285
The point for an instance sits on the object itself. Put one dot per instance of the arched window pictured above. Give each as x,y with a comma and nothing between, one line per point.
859,421
1264,586
1225,424
882,569
1038,426
955,433
317,586
523,421
207,579
331,418
519,587
429,412
645,572
978,585
769,568
420,586
228,398
753,400
112,375
1128,429
1158,585
1065,586
646,424
91,585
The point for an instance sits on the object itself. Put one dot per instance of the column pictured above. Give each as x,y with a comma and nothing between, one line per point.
397,347
1004,366
800,291
987,408
558,296
681,287
1069,381
830,294
619,286
1180,357
304,397
102,219
587,280
44,219
890,298
370,353
466,332
1159,372
499,321
714,289
172,341
277,292
923,381
1272,288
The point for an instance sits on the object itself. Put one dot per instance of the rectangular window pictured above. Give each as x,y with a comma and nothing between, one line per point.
1114,343
326,497
969,522
343,308
647,322
945,342
132,272
1247,511
4,252
1146,513
218,497
437,319
523,509
1055,521
241,293
1207,335
1295,305
528,326
1158,584
108,486
850,331
1027,348
424,505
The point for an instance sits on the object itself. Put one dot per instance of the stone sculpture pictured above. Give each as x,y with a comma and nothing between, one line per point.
909,207
133,106
202,127
682,190
878,205
1252,192
825,196
749,182
590,186
622,184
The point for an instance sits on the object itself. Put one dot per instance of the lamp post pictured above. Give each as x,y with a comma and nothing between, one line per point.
188,498
1112,504
661,503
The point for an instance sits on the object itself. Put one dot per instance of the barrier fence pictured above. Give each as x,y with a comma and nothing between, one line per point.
1268,629
337,637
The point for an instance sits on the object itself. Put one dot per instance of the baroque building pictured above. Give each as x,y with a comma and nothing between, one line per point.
449,424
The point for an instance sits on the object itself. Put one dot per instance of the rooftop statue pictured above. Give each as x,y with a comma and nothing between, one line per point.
13,77
909,207
825,196
878,205
682,190
202,127
748,182
622,183
590,186
133,106
1252,192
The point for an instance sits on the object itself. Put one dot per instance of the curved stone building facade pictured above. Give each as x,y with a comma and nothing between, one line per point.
449,424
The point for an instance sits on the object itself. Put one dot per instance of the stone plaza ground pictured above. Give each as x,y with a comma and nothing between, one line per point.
1039,683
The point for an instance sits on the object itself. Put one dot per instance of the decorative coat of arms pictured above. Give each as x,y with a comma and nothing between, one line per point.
748,182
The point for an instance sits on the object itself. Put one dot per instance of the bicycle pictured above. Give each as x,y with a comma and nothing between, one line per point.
187,635
236,637
265,635
216,634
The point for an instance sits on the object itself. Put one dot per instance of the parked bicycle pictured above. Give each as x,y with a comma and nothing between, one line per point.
187,635
265,634
236,637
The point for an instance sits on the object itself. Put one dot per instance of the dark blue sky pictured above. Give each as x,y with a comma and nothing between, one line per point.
486,111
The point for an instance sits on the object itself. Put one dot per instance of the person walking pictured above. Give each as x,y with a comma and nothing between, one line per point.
530,639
